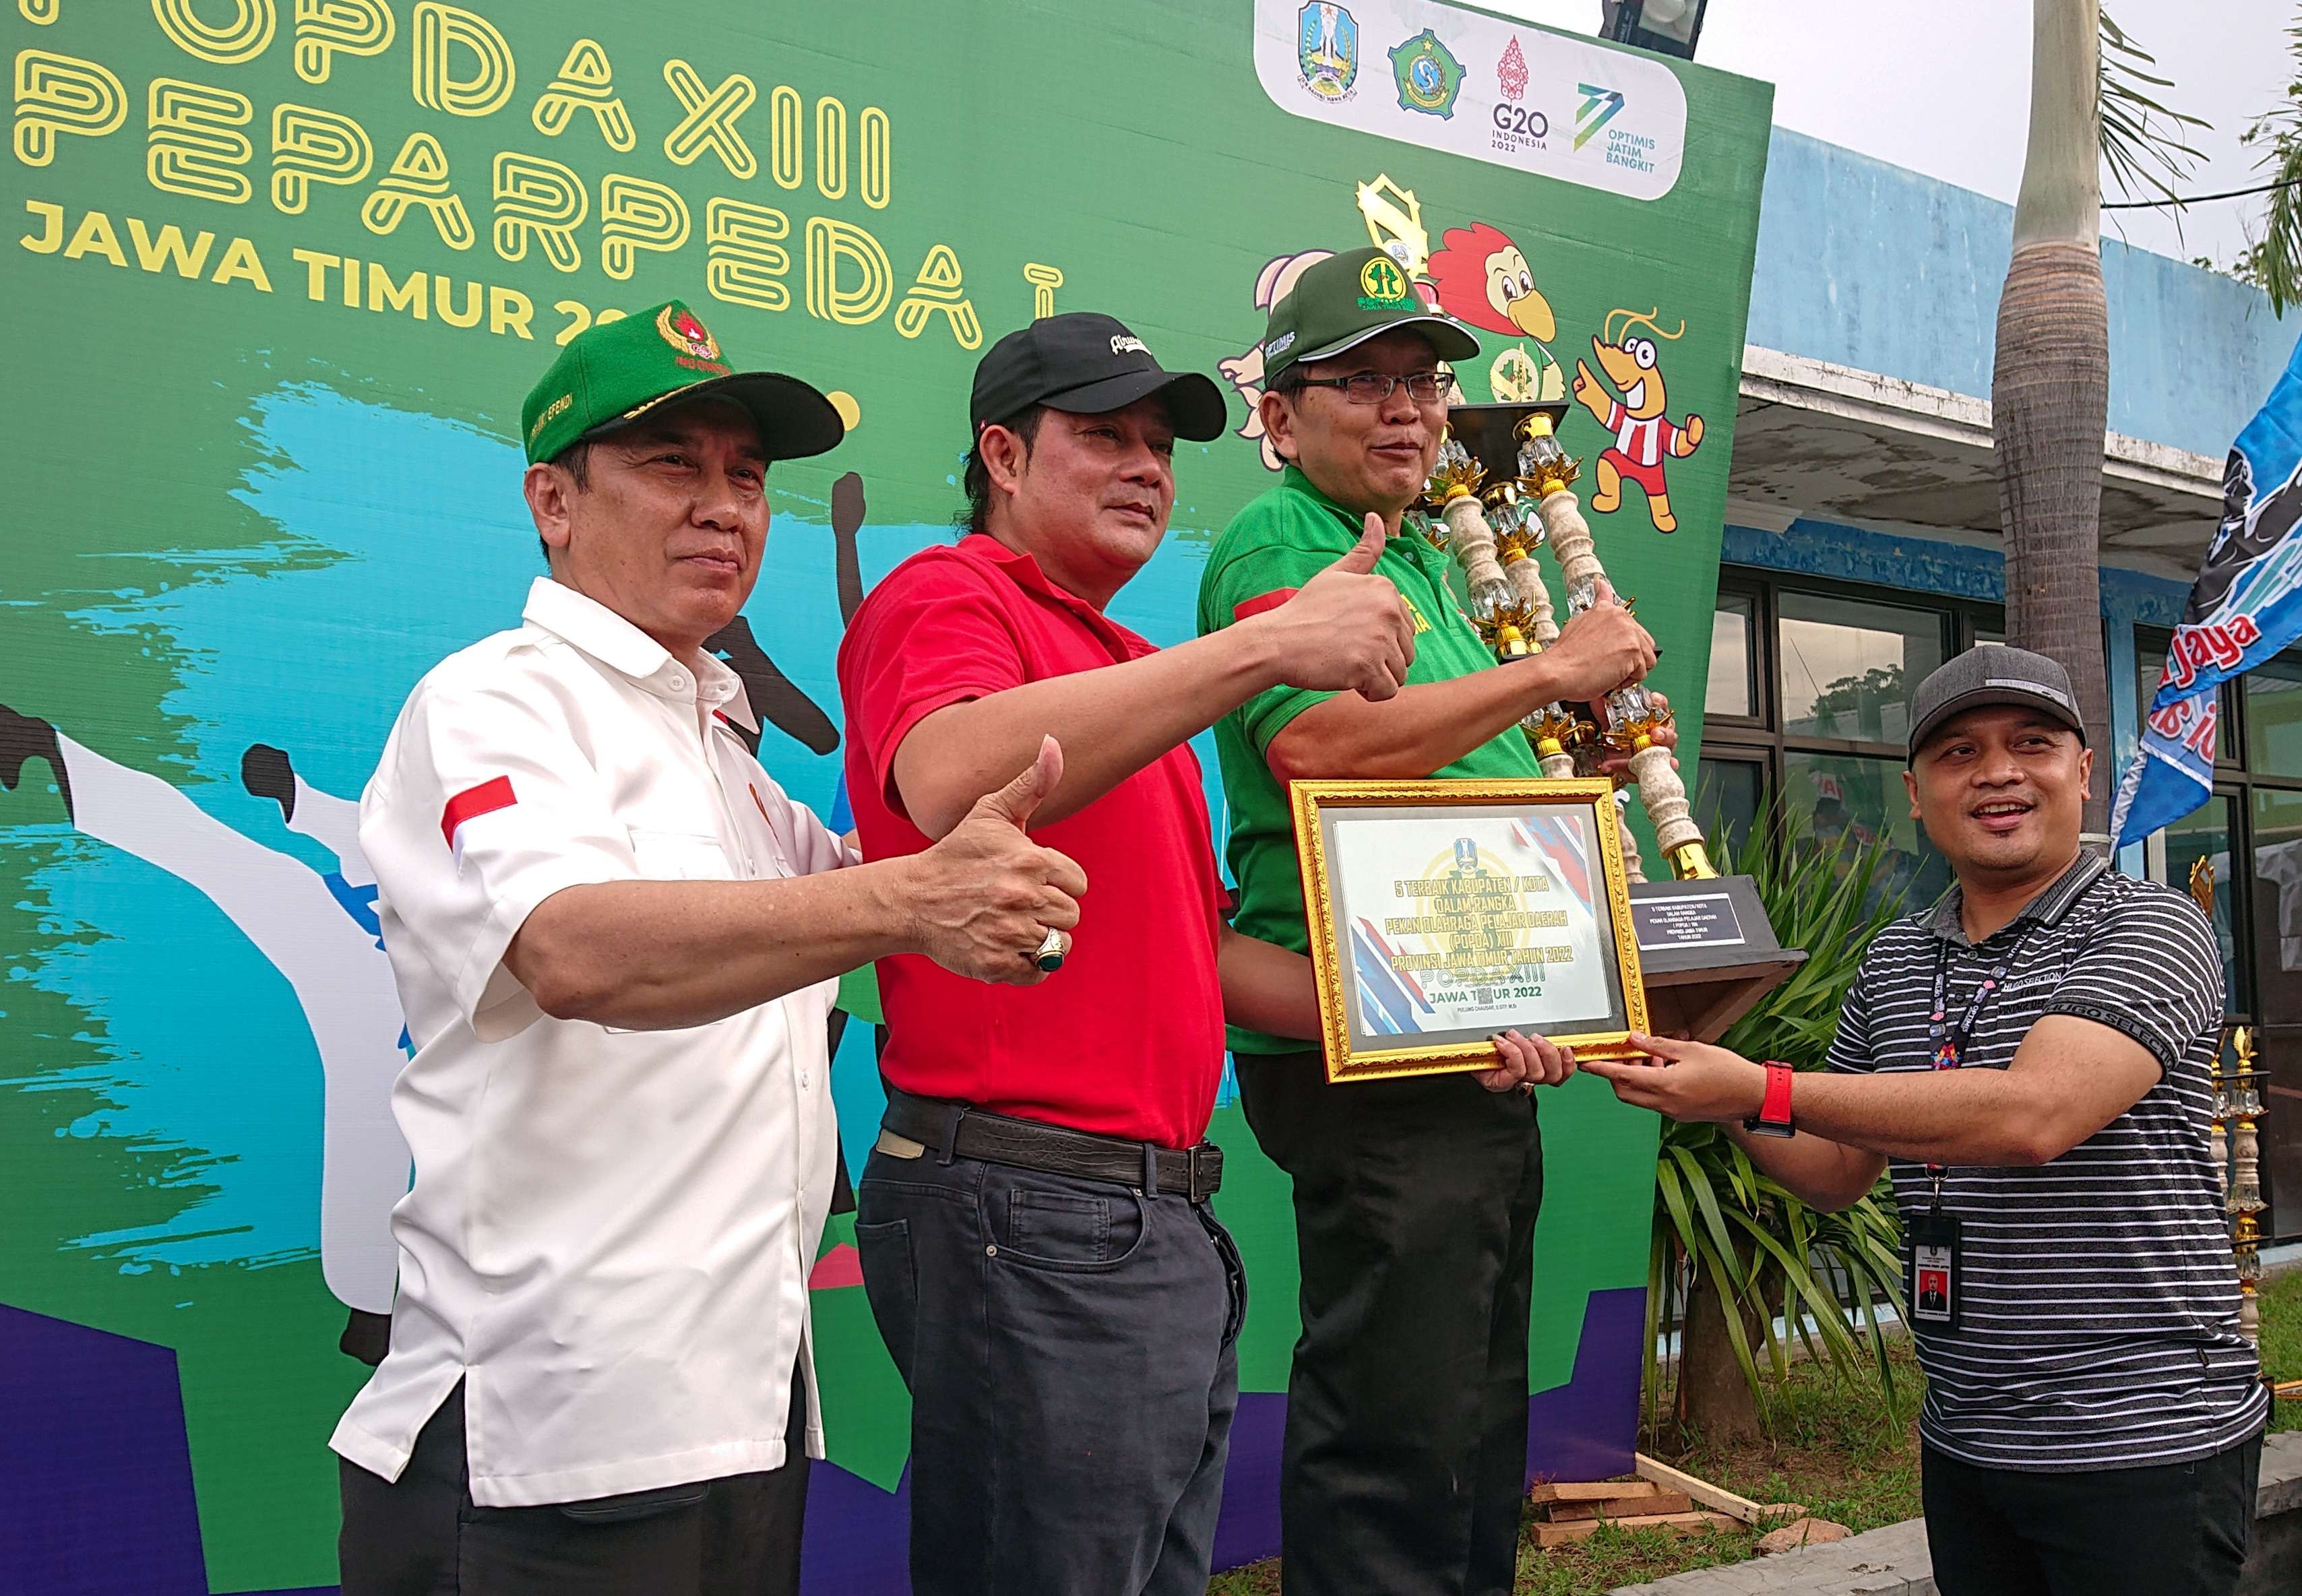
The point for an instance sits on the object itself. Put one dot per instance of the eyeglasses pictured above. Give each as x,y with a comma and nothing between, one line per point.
1374,386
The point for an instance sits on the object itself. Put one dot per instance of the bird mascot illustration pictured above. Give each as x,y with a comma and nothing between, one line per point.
1480,276
1644,436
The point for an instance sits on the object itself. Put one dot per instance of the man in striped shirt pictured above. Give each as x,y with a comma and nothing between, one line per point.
2030,1057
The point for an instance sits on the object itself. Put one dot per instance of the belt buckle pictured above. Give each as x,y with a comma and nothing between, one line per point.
1193,1164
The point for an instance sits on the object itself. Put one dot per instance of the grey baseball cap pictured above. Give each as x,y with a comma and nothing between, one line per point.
1993,674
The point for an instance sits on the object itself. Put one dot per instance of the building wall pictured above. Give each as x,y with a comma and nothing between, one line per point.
1875,267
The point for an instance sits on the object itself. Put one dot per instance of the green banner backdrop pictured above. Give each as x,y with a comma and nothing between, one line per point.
281,274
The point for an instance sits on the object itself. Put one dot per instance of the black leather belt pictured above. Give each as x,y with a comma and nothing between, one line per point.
957,1129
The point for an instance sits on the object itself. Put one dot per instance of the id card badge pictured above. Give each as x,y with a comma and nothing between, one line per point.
1933,1286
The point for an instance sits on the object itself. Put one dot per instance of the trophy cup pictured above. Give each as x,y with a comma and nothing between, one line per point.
1502,488
1632,715
1485,499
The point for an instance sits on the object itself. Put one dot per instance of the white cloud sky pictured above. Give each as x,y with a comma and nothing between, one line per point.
1943,86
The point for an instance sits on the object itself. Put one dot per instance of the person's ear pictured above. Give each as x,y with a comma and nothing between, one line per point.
1910,786
1278,414
2086,773
1004,455
549,491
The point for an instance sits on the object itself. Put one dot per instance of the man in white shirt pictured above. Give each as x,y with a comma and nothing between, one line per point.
616,941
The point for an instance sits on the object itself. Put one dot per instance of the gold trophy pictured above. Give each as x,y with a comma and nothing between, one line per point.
1475,509
1500,483
1502,489
1476,493
1633,717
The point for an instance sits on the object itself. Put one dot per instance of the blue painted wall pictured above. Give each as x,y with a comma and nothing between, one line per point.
1875,267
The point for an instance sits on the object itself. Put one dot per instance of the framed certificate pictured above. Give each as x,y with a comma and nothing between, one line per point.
1444,912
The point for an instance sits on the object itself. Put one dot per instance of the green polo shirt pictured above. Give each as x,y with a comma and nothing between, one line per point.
1273,546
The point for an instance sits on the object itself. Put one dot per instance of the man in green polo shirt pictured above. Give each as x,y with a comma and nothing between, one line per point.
1404,1463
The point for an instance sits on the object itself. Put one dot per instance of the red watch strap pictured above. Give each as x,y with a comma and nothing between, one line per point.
1776,1110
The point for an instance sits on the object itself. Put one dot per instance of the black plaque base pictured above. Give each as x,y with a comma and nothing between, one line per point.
1707,951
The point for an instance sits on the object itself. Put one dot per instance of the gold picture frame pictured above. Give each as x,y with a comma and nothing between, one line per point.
1423,992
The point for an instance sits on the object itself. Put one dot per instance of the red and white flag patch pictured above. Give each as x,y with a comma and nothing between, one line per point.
470,804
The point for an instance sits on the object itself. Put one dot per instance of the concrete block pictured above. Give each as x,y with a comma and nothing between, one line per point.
2281,1489
1891,1561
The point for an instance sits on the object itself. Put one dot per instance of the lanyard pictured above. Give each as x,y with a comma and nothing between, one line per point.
1950,1041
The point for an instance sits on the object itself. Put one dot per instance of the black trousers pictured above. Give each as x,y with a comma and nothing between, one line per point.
1405,1462
423,1536
2178,1529
1071,1351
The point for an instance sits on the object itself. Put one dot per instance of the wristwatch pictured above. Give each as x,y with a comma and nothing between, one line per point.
1774,1115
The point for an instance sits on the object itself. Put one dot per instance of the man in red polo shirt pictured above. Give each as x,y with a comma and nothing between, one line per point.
1036,1236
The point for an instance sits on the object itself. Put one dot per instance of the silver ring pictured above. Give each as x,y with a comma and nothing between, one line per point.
1049,954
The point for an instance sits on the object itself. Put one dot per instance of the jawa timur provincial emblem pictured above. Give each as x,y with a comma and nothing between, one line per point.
1327,50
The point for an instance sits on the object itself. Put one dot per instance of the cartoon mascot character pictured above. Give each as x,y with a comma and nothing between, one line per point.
1481,277
1644,436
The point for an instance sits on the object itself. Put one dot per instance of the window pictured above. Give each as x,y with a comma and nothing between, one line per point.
1847,668
1862,797
2274,717
1727,794
1734,687
2204,835
1808,702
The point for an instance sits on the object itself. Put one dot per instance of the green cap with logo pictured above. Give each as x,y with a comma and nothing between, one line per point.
1346,299
616,372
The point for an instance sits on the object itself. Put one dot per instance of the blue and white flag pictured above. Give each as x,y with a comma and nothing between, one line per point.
2246,605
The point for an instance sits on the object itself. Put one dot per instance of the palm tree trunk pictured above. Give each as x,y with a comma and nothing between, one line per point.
2050,384
1715,1401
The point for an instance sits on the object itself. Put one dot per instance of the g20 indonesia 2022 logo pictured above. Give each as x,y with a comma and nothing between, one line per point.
1516,126
1327,49
1428,74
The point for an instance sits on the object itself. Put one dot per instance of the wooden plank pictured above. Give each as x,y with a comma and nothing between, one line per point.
1666,1477
1661,1501
1675,1524
1572,1491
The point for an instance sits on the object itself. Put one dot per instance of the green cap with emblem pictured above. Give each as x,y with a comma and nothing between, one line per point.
616,372
1346,299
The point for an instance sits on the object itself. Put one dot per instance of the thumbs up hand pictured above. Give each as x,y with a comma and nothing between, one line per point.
1346,629
982,899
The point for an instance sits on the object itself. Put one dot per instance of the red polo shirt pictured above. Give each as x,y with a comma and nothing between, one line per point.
1128,1039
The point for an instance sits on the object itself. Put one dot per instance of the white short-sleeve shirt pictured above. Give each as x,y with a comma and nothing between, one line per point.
609,1232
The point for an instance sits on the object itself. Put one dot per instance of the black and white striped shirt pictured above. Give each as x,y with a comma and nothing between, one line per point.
2098,1315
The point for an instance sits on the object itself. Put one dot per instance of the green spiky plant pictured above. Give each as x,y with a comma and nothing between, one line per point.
1756,1251
2274,263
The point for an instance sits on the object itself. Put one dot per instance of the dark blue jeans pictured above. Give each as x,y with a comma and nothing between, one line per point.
1069,1348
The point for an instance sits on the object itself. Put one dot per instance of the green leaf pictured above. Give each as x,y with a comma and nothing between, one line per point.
2273,264
1707,1200
2144,144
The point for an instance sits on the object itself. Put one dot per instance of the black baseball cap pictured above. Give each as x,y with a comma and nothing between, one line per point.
1085,363
1993,674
